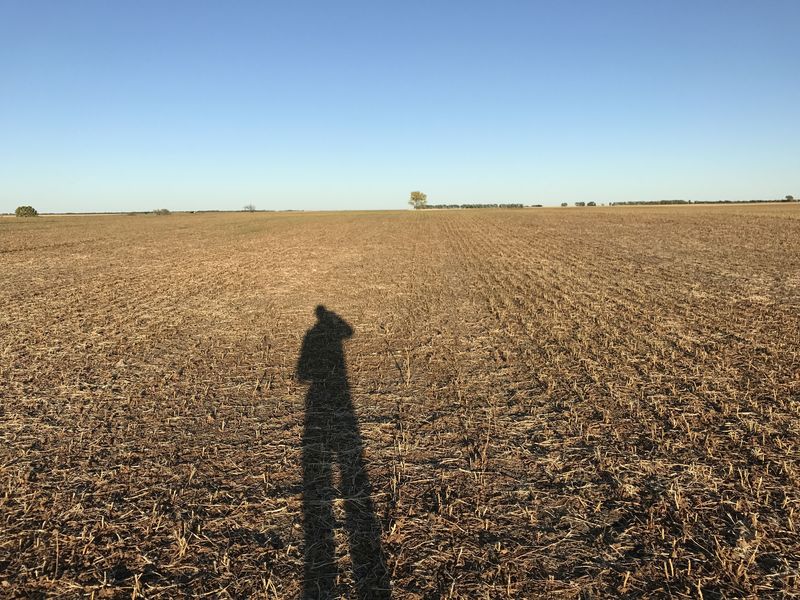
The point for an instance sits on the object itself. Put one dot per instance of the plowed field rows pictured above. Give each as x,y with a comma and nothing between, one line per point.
576,403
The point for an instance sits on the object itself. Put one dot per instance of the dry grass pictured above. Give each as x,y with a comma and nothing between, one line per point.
565,403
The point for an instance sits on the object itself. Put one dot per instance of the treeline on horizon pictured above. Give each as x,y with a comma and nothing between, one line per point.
442,206
590,204
649,202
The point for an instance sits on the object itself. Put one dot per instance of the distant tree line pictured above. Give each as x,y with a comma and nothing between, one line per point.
419,201
643,202
440,206
660,202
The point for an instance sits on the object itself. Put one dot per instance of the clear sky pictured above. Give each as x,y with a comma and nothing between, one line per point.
134,105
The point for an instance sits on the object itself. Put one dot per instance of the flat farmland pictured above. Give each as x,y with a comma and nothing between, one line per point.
576,403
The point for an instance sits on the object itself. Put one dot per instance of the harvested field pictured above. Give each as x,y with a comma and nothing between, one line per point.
575,403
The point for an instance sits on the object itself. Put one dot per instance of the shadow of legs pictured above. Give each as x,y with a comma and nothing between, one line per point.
366,551
319,578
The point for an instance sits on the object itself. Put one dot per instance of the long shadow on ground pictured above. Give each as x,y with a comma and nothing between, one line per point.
331,435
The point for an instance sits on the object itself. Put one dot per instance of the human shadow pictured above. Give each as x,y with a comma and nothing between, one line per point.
331,436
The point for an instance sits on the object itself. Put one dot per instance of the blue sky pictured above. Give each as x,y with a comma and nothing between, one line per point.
347,105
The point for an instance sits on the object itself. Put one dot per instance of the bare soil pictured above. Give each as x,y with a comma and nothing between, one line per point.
574,403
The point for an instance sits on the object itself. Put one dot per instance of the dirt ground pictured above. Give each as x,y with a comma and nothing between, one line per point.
576,403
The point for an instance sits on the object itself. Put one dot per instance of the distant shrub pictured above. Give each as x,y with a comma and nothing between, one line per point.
161,211
580,204
418,200
563,204
26,211
592,204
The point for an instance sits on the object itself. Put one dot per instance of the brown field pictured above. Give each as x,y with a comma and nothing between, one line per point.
577,403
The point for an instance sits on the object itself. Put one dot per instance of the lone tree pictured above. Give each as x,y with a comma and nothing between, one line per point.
418,200
26,211
790,198
250,208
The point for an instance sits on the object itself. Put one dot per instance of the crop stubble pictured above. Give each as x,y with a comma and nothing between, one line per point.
571,403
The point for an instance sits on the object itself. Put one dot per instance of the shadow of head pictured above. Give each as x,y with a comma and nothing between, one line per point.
322,353
330,324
